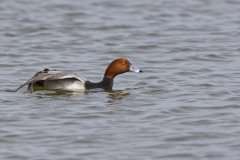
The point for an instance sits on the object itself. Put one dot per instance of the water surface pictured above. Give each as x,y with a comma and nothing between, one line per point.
184,106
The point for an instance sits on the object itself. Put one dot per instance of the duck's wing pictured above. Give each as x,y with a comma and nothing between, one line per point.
47,74
57,75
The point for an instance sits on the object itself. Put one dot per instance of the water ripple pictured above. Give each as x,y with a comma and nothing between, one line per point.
184,106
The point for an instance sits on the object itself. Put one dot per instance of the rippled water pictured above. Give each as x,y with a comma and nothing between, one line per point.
184,106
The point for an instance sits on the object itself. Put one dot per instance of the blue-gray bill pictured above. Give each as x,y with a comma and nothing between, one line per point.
134,69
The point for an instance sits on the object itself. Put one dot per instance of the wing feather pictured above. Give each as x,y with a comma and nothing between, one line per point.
47,74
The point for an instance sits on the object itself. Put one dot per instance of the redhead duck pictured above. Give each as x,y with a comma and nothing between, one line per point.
57,80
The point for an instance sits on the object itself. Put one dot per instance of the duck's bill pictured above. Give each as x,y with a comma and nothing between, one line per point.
133,69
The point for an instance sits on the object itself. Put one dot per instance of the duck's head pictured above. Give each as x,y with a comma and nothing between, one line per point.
119,66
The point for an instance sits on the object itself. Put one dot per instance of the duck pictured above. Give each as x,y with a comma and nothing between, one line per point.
48,79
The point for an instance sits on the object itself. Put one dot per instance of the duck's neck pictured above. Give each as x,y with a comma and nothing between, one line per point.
106,84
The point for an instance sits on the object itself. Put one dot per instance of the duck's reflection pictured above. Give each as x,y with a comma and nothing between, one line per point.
116,96
113,96
58,93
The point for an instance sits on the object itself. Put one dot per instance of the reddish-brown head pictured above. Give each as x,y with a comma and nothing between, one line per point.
119,66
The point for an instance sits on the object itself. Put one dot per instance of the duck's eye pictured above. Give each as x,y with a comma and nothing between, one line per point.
123,62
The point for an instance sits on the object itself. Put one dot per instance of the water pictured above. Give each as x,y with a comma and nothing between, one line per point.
185,106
